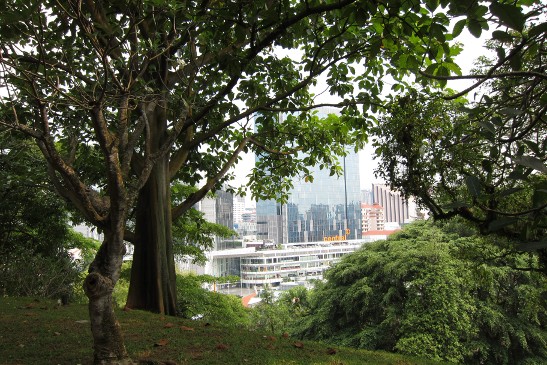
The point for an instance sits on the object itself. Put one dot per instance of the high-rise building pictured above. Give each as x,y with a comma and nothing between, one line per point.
239,208
219,210
373,217
366,196
396,208
327,209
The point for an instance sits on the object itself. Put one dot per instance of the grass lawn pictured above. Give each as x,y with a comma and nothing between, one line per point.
37,331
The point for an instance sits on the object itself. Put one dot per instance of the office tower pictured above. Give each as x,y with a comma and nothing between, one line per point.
327,209
396,208
239,208
367,197
219,209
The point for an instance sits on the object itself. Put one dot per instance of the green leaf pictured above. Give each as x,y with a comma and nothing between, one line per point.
431,5
509,15
510,191
533,146
512,112
502,36
474,27
438,32
458,27
497,121
474,185
537,30
500,51
532,162
488,126
443,71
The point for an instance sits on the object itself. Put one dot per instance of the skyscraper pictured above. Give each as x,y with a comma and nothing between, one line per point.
327,209
396,208
219,210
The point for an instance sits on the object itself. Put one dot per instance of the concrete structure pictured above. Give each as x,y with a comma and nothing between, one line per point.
298,263
373,217
238,208
396,208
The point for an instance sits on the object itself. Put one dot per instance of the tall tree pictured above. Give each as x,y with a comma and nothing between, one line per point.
123,97
484,159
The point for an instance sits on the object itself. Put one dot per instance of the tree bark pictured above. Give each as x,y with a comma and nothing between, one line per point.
108,344
153,280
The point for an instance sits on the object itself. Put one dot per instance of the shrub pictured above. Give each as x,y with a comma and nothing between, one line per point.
26,273
196,302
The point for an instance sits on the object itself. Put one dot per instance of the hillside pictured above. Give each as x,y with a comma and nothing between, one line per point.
36,331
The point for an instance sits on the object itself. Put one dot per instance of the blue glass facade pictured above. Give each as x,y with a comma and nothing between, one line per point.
326,209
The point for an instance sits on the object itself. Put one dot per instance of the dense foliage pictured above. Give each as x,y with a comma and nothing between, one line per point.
278,314
438,292
35,232
485,159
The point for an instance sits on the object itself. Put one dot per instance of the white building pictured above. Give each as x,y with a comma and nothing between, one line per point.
297,262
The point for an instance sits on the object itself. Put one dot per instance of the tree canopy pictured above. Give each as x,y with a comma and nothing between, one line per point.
482,159
441,292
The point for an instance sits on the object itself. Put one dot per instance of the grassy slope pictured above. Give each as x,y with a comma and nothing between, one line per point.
40,332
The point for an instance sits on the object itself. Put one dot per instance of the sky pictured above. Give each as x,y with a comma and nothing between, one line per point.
472,48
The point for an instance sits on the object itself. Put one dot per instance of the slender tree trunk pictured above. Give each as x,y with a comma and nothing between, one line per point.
108,344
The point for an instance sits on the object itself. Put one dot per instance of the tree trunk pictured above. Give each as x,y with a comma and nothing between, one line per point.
108,344
153,280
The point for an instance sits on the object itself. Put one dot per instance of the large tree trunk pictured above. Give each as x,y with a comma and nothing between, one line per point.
153,286
108,344
153,280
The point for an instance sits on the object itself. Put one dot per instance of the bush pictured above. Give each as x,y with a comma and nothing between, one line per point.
281,314
26,273
196,302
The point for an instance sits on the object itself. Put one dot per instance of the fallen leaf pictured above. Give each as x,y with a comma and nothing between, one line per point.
162,342
331,351
168,325
144,354
222,346
82,321
285,335
57,333
127,309
299,345
272,338
184,328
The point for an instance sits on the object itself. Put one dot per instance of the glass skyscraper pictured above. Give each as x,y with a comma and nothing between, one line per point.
327,209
